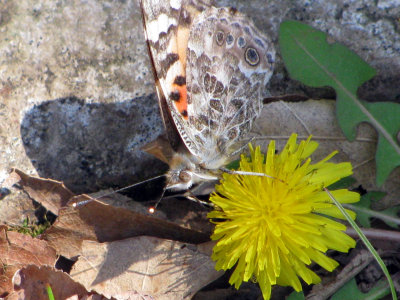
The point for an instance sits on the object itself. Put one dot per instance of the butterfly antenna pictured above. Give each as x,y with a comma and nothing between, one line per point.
119,190
153,208
130,186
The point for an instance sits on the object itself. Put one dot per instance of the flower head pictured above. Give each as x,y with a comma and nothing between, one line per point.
272,228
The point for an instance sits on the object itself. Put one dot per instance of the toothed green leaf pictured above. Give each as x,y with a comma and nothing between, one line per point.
313,59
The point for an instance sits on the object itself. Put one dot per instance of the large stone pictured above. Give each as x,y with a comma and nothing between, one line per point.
77,95
369,28
76,89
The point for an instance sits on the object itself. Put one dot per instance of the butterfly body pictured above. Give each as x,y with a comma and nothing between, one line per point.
211,65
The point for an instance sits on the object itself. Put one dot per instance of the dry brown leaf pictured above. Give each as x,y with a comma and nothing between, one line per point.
100,222
17,207
188,214
143,266
318,117
30,283
18,250
11,179
51,194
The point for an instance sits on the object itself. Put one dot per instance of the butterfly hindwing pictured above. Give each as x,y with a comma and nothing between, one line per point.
229,63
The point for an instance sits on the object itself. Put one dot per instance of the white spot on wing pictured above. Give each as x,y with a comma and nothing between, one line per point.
161,24
176,4
172,72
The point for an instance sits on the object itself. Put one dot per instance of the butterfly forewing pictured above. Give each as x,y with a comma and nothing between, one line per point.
211,66
167,27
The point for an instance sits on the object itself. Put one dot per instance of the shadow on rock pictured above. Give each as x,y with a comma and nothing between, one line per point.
91,146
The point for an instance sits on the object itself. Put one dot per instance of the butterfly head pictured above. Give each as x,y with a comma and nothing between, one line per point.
184,173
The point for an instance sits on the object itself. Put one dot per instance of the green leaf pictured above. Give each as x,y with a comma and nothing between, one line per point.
49,292
296,296
364,213
343,183
350,291
384,116
234,165
313,59
391,213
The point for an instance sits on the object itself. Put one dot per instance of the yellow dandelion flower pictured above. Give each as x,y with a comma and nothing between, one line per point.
271,229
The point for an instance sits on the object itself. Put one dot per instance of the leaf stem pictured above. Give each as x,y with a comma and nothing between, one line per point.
372,213
376,234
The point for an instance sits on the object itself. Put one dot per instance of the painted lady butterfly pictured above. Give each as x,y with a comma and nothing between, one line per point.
210,65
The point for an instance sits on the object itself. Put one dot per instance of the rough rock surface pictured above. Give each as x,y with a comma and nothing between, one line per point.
369,28
76,90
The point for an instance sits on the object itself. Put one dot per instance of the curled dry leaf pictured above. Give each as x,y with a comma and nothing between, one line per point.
51,194
188,214
141,267
31,282
18,250
318,117
96,221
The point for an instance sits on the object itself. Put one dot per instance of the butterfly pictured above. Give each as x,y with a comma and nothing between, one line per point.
210,66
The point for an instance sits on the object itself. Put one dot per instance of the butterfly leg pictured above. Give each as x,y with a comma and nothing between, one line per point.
189,195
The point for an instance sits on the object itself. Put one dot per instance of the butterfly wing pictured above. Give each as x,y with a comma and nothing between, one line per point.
167,26
229,63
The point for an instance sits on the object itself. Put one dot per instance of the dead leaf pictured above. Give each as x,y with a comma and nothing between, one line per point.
51,194
31,282
96,221
144,266
17,207
11,179
279,120
186,213
183,212
18,250
110,197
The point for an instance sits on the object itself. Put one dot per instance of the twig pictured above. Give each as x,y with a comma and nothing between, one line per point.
376,234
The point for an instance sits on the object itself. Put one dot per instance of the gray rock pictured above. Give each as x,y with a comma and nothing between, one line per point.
89,145
369,28
76,89
77,93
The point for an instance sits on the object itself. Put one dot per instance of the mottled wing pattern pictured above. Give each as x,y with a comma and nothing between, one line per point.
167,27
228,65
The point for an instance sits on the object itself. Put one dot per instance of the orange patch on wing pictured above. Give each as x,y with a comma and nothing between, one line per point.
182,38
181,45
181,104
